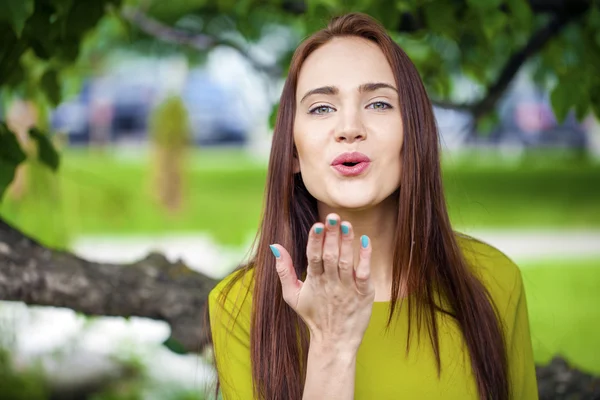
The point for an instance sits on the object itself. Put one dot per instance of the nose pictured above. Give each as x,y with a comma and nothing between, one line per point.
350,128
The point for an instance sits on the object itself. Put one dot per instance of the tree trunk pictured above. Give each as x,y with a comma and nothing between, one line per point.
153,287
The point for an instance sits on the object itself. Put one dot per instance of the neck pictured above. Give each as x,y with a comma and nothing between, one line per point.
379,224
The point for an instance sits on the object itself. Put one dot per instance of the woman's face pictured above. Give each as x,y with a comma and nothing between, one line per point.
347,102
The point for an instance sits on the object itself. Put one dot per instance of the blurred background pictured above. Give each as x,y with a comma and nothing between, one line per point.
153,123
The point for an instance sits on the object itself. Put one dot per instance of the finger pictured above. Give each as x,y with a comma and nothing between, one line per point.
363,270
331,247
346,261
314,250
290,284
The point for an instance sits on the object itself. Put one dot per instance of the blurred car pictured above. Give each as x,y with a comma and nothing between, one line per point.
526,120
131,106
213,114
119,110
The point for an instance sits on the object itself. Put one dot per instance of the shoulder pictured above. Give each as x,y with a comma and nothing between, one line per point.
232,296
234,289
500,274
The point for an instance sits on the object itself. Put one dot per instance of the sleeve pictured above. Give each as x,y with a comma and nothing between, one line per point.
519,349
230,330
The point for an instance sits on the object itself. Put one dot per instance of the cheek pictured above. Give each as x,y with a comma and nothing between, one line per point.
310,145
392,143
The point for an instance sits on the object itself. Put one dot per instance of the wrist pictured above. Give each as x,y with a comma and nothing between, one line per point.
338,350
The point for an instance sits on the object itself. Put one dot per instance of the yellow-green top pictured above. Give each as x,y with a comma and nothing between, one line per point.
383,369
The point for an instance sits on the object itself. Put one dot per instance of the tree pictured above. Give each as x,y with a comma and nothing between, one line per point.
487,40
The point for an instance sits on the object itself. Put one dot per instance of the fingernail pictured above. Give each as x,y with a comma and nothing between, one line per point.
345,229
364,241
275,251
332,221
318,229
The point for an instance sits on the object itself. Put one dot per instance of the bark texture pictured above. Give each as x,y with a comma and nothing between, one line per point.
152,287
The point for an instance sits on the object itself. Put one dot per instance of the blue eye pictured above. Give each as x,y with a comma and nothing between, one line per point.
321,110
379,105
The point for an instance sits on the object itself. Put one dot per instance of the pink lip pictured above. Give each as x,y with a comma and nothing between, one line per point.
360,160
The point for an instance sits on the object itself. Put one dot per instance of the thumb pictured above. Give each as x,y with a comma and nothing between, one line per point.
290,284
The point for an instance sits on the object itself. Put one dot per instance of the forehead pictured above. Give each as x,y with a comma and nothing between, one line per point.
345,62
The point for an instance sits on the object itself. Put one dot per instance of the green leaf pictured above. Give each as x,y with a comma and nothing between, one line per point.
51,87
493,23
83,15
484,4
62,6
47,154
571,90
440,16
559,98
16,12
10,150
11,155
175,346
40,33
487,123
521,12
595,99
581,108
15,76
594,16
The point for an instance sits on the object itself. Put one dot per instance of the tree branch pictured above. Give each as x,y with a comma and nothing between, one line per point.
535,44
152,287
197,41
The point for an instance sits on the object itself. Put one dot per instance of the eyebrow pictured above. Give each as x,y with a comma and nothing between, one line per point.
332,90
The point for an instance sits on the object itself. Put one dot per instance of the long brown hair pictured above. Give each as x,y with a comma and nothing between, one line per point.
427,257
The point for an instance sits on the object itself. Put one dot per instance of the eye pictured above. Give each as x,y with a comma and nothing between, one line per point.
379,105
321,110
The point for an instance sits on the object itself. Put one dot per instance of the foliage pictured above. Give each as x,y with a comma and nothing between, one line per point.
40,37
11,155
38,40
20,385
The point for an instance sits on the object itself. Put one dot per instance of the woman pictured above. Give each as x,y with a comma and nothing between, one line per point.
366,292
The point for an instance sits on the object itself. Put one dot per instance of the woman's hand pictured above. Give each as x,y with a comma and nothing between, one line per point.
335,300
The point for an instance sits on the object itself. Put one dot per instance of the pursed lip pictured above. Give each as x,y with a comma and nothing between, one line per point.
351,164
350,157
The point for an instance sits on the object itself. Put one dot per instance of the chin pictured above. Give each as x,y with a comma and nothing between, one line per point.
355,203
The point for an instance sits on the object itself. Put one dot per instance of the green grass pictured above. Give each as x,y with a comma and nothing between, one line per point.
542,191
99,193
105,193
564,310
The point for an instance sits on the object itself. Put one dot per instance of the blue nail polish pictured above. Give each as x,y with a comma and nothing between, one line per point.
345,229
318,229
364,241
275,251
332,221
